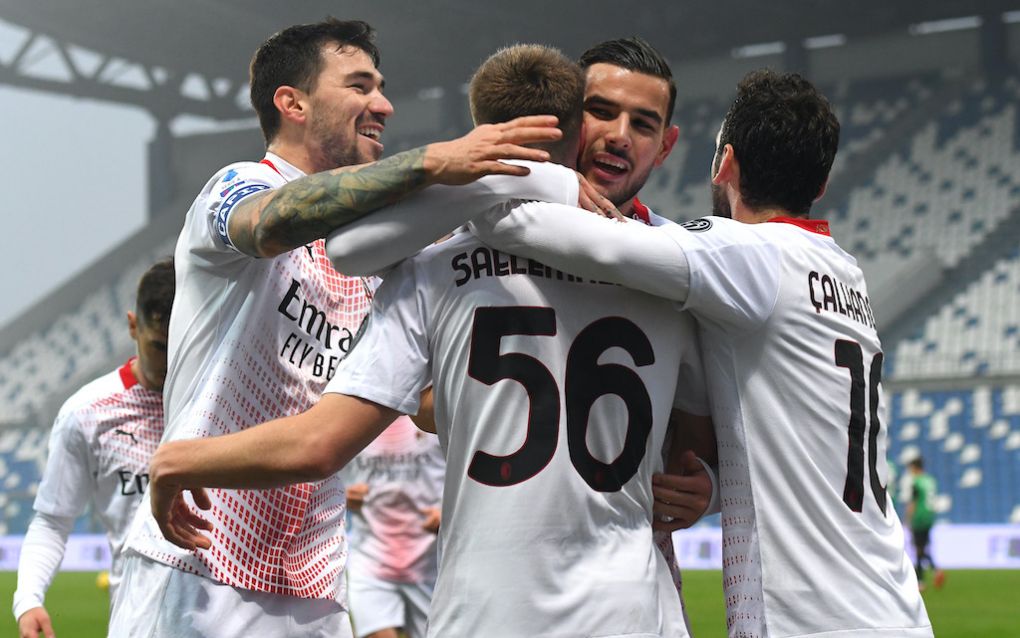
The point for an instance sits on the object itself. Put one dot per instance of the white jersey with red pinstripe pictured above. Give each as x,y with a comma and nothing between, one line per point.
252,340
99,453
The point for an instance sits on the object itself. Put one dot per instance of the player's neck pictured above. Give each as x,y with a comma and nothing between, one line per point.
747,215
294,154
139,375
626,208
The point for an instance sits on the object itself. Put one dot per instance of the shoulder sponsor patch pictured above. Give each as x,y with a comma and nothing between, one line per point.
698,225
240,192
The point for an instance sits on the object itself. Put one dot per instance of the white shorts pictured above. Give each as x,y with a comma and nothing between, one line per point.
378,604
158,601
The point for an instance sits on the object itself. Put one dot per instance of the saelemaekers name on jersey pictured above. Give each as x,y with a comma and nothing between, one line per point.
487,262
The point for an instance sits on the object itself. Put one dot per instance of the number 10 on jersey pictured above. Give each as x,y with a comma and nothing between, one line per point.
849,355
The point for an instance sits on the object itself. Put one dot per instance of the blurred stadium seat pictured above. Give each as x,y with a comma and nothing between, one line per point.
970,440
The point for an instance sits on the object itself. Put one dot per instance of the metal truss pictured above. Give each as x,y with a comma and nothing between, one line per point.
45,64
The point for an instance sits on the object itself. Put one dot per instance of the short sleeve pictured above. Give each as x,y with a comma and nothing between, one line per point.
390,363
734,272
68,482
207,225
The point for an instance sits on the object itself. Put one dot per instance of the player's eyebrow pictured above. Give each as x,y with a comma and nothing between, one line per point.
598,100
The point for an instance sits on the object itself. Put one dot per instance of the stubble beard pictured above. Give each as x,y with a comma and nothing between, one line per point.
335,149
720,204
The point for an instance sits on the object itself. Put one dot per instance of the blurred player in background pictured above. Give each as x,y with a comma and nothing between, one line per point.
394,490
263,320
99,454
546,526
810,542
921,518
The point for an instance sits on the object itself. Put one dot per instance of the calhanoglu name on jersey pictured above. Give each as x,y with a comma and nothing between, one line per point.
830,294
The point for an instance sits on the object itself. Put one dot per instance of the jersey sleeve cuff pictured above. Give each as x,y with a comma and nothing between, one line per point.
25,602
405,404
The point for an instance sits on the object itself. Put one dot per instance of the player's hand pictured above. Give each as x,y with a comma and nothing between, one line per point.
590,199
356,494
179,524
35,621
477,154
681,499
432,519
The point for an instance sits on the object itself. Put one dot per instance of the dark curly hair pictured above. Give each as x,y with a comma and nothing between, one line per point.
784,136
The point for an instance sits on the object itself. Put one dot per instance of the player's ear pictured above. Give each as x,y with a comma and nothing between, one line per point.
726,167
669,139
291,103
132,325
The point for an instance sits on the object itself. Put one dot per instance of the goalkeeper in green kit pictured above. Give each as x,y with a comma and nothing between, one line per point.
921,517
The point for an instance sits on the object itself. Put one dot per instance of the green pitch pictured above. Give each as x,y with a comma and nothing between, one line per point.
973,604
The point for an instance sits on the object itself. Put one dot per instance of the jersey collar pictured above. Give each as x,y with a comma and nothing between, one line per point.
818,226
283,168
127,377
640,212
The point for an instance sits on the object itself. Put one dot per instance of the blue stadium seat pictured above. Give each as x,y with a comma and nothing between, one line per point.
970,440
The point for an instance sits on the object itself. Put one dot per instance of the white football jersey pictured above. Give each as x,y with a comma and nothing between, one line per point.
252,340
99,453
811,542
403,469
552,395
663,540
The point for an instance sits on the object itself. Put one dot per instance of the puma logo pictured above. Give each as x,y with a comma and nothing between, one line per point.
126,433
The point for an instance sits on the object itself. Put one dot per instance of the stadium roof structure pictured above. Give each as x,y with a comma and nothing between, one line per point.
425,44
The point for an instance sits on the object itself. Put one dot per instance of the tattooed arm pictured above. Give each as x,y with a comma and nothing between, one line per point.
275,221
272,222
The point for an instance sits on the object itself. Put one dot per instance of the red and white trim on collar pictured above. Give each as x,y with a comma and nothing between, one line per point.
265,160
127,376
640,212
819,226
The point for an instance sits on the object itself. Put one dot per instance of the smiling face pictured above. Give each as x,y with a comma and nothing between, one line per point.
348,110
625,130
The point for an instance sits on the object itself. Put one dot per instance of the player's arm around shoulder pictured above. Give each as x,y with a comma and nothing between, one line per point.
276,221
734,271
591,246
